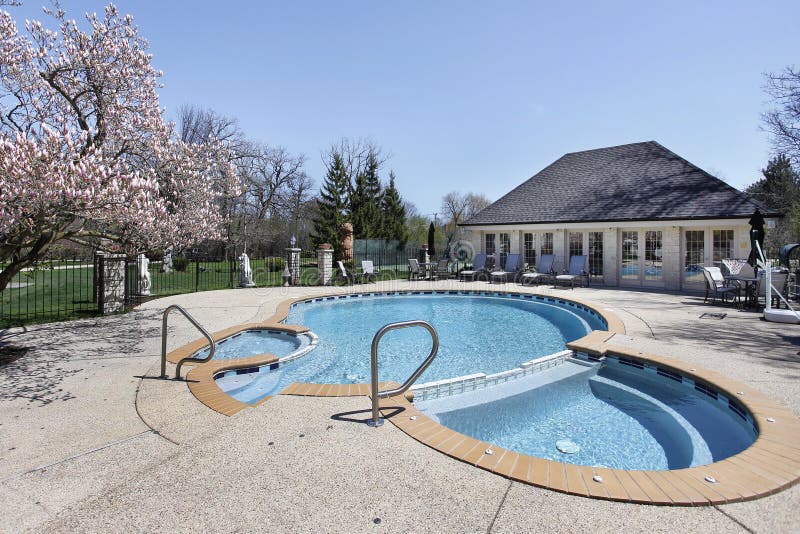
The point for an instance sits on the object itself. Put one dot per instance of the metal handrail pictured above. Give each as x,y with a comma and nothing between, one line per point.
376,418
187,359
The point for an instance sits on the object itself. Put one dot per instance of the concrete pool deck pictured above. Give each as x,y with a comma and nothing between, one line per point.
90,441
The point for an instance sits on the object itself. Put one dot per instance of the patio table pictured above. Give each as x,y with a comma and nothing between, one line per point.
750,283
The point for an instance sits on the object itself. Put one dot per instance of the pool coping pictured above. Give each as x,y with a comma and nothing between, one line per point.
769,465
201,377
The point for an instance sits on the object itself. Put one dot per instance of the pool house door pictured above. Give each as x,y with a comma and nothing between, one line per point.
641,258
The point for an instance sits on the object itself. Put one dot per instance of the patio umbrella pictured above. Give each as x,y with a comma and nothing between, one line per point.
756,223
431,241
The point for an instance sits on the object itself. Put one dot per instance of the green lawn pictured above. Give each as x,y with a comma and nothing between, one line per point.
63,290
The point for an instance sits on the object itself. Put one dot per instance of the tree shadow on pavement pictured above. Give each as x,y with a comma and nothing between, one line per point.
41,357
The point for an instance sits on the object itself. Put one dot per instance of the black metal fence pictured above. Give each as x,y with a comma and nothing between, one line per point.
57,289
49,291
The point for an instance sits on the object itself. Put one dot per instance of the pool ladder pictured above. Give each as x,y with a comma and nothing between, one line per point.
377,420
187,359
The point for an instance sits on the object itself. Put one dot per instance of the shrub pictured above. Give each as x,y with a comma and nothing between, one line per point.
275,265
180,263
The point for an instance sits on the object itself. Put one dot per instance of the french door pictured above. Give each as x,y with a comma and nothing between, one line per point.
641,258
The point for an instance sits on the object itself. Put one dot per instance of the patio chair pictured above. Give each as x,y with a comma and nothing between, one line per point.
368,271
443,269
348,277
778,282
578,268
478,268
413,269
512,267
716,285
544,271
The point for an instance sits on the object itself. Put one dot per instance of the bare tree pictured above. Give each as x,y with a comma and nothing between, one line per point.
272,176
458,207
355,155
783,122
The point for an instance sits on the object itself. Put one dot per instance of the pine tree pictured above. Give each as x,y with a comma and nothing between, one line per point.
332,206
393,213
365,201
780,190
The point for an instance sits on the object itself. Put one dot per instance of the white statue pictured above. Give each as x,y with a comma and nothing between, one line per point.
143,274
166,263
245,272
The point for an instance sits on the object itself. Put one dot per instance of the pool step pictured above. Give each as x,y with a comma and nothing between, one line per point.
479,381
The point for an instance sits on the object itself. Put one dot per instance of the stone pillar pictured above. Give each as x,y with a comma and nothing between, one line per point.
560,251
610,257
671,259
325,264
293,265
110,282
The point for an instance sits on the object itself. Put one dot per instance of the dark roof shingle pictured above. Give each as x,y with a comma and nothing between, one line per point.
640,181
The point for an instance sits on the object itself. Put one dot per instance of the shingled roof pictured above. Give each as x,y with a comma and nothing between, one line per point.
636,182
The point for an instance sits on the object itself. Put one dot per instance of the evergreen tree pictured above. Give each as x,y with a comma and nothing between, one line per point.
393,213
365,201
780,190
332,206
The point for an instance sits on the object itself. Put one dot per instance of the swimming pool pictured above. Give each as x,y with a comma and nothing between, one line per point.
603,415
478,333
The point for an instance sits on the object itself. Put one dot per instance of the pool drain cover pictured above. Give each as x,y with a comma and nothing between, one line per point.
567,446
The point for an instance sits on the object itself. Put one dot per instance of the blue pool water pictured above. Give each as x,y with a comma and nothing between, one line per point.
618,418
476,334
255,342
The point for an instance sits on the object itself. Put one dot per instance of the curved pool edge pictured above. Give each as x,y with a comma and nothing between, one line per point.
614,323
771,464
201,378
199,344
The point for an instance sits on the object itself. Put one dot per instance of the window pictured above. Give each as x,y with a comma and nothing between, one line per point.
547,243
596,253
723,245
529,249
630,255
505,244
695,251
490,244
653,269
575,244
505,247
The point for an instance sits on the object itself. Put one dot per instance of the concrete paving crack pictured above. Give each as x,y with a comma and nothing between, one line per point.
729,516
500,507
642,320
79,455
139,413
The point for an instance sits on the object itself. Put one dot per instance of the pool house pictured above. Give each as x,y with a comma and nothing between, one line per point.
645,216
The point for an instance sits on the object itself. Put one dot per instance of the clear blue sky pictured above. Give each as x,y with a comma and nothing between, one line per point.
477,96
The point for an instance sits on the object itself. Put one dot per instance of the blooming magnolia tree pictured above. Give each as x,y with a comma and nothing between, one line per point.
85,153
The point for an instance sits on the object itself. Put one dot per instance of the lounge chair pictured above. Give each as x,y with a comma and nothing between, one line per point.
578,268
511,268
368,271
478,268
544,271
717,285
443,269
348,277
413,269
